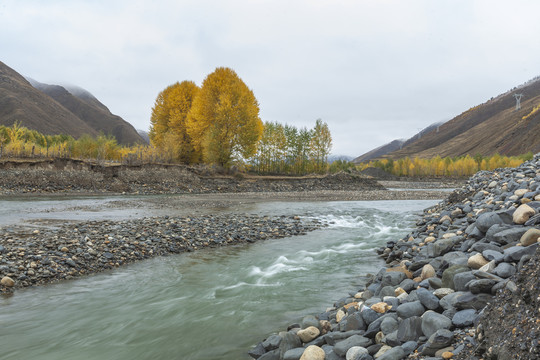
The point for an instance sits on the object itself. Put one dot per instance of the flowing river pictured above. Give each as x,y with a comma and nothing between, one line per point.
209,304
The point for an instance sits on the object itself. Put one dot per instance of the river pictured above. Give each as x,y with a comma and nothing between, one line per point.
209,304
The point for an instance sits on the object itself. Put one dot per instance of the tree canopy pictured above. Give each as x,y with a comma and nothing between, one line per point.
224,121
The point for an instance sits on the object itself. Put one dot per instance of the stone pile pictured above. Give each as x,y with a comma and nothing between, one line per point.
427,302
31,257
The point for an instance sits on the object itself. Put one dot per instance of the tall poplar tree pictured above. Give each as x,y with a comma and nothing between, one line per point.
224,121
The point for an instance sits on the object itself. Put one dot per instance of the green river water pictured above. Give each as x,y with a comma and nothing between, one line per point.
210,304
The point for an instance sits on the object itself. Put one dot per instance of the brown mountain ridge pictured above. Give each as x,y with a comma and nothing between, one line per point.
53,109
492,127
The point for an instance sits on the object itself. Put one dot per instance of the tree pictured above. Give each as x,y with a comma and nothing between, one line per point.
321,144
224,121
168,130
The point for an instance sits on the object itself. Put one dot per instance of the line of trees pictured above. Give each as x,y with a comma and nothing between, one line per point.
287,149
448,166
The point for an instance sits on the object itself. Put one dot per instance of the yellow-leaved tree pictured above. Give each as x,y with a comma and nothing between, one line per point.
224,121
168,130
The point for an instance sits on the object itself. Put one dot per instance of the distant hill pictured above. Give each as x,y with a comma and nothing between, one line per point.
395,145
53,109
379,152
492,127
144,135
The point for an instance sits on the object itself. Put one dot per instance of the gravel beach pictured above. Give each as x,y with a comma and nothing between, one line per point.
462,285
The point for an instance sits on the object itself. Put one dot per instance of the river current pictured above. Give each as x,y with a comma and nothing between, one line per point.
209,304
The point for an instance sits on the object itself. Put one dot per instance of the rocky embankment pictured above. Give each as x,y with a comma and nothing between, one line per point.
75,176
464,285
34,257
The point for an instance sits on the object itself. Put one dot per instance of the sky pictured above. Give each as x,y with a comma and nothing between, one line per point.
374,71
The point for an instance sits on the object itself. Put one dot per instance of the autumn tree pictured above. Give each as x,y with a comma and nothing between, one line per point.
224,121
168,130
321,144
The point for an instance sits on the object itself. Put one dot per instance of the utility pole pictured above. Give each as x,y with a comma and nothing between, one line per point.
518,101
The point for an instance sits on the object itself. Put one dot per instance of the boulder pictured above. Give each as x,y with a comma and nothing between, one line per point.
355,352
487,220
464,318
448,275
439,340
410,329
432,322
477,261
308,334
428,300
414,308
522,214
313,352
343,346
530,237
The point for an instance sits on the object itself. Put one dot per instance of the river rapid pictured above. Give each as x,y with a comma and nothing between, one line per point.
209,304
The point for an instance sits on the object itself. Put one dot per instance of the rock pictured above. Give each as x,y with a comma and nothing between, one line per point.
481,286
468,300
464,318
410,329
427,299
258,351
271,355
343,346
381,307
310,320
442,292
476,261
462,279
505,270
389,325
355,352
487,220
522,214
313,352
489,267
432,321
272,342
393,278
289,341
447,355
414,308
530,237
492,255
7,282
509,236
427,272
294,354
354,322
440,247
515,253
395,353
340,315
439,340
448,275
308,334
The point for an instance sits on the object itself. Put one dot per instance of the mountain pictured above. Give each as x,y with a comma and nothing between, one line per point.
492,127
20,101
379,152
54,109
395,145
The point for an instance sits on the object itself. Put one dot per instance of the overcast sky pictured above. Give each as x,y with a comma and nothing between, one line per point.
373,70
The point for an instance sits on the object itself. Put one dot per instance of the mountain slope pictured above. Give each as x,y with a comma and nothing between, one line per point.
53,109
85,106
492,127
20,101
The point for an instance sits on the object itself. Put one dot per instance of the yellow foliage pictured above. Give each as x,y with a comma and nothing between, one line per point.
224,121
533,111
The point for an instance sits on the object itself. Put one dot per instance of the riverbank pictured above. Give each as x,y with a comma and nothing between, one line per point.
30,257
464,284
